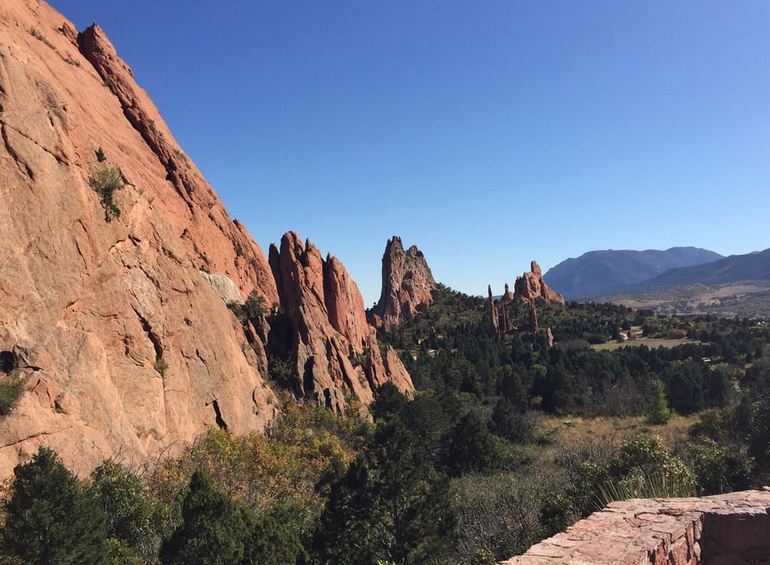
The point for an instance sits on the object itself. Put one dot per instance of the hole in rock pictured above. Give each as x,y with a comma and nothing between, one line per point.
8,361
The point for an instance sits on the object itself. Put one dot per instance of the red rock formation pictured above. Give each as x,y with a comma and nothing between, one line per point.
333,346
507,295
126,347
534,326
494,319
407,285
531,286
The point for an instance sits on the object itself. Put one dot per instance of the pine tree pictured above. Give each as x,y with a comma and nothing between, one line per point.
659,412
391,506
50,518
212,530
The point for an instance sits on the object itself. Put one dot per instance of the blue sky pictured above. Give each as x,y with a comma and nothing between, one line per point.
488,133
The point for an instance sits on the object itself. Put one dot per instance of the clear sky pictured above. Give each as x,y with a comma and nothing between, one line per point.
488,133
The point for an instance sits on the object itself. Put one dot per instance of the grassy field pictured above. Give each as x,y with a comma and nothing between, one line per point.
650,342
573,431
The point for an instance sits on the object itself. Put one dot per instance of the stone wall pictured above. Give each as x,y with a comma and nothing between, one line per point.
728,529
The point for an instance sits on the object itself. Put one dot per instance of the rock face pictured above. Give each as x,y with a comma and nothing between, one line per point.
729,528
120,328
531,286
331,346
407,285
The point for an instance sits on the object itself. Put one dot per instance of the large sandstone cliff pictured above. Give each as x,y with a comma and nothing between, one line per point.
407,285
120,328
331,346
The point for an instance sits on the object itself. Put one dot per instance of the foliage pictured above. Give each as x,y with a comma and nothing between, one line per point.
638,468
212,530
470,447
276,536
50,517
659,412
129,509
390,505
100,156
161,367
719,468
11,389
283,372
106,180
502,515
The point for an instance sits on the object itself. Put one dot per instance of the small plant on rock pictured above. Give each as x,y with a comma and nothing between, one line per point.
160,367
11,387
105,181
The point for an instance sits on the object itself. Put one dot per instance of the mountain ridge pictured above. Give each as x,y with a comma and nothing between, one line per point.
603,272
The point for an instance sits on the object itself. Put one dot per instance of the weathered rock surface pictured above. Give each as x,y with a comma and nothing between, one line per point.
127,351
531,286
729,528
127,348
407,285
331,344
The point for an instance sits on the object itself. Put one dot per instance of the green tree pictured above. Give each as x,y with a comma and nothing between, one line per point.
50,518
275,536
470,447
509,423
129,512
391,505
213,530
658,411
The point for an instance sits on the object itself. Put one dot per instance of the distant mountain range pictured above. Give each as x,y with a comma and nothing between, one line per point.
736,268
603,273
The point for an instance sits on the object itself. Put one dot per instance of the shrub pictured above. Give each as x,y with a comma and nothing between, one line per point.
282,372
719,468
100,156
130,511
161,366
105,181
11,388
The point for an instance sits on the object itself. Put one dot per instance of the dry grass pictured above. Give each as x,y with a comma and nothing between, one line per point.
567,433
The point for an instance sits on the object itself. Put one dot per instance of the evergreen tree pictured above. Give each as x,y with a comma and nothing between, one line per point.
391,505
275,537
470,447
50,519
212,532
659,412
508,423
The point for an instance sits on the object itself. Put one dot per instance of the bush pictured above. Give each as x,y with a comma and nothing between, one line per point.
638,468
129,509
11,388
719,468
502,515
105,181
